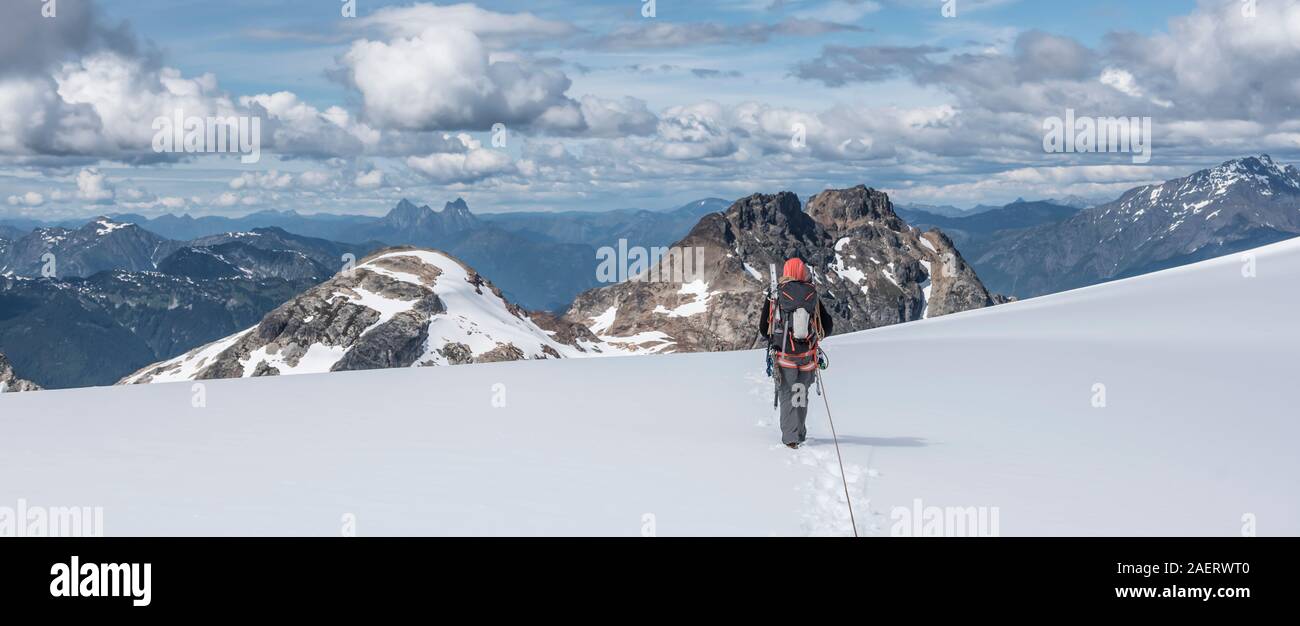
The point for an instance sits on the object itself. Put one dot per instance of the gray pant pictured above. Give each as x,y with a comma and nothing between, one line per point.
796,390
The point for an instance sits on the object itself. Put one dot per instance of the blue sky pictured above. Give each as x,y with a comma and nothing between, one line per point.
606,108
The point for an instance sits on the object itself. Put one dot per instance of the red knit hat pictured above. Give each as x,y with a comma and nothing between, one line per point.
794,268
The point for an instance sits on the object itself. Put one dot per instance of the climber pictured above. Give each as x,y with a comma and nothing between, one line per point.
794,322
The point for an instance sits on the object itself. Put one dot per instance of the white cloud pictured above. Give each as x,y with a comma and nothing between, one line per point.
372,179
227,199
694,132
443,79
314,179
616,117
93,187
31,199
1124,82
270,179
473,163
411,21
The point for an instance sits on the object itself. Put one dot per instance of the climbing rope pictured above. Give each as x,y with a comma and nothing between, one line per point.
843,477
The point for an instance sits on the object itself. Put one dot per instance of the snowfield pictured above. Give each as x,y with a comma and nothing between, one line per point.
1160,405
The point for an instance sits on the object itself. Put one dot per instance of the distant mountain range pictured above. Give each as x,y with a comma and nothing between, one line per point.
76,331
639,227
1241,204
123,296
973,233
540,260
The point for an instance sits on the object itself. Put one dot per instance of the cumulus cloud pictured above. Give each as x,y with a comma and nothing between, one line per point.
1215,80
271,179
418,76
94,188
29,199
445,78
694,132
1214,63
372,179
31,44
471,163
231,199
620,117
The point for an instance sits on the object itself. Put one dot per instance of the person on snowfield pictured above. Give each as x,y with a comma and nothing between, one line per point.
794,322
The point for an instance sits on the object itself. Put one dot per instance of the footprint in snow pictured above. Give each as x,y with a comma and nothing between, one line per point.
825,513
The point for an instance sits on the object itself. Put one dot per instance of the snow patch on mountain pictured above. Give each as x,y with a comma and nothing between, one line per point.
186,366
106,226
925,289
698,290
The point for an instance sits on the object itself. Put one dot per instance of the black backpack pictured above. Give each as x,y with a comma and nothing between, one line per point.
795,318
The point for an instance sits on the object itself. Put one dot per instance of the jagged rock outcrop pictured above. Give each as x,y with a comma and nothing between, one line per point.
400,307
871,268
10,382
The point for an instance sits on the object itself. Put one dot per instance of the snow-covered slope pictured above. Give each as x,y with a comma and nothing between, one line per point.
989,408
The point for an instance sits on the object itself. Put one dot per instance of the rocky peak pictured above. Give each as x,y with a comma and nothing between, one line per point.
781,210
841,210
424,224
407,215
456,216
775,222
871,268
456,207
399,307
1261,173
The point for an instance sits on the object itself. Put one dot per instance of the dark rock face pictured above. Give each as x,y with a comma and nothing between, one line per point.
847,209
870,268
10,382
1241,204
564,331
